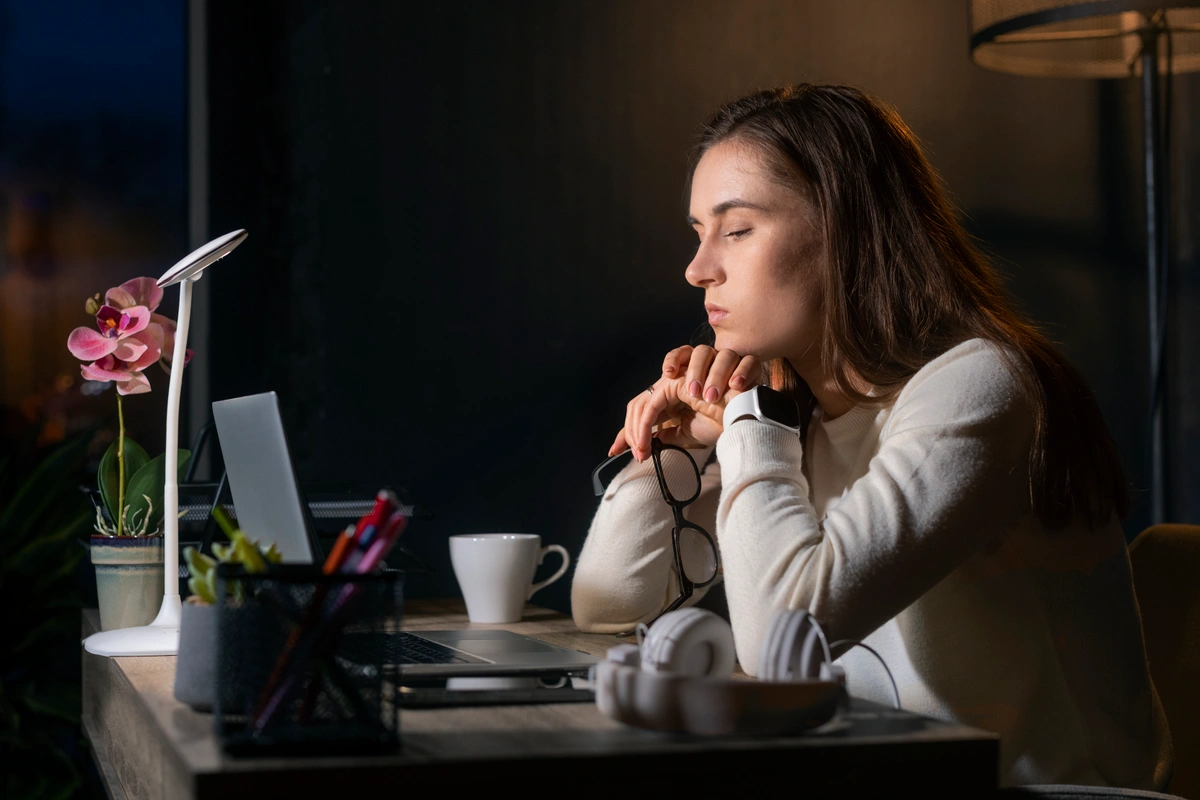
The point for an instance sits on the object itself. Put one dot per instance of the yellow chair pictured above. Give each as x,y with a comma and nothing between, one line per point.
1166,578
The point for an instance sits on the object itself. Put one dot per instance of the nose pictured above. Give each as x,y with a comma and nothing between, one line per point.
704,271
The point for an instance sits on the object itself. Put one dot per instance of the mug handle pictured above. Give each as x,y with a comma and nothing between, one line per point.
562,551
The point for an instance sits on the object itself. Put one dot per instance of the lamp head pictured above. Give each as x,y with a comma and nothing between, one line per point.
1074,39
191,265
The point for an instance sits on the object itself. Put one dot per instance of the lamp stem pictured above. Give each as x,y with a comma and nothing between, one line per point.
1151,151
171,484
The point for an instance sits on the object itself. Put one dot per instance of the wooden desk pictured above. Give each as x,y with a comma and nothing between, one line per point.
148,745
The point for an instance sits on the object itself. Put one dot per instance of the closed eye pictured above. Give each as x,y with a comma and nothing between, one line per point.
740,234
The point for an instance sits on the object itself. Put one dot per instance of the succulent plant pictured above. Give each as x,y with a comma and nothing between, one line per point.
240,550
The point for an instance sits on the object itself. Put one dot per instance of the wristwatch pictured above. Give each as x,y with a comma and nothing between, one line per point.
765,405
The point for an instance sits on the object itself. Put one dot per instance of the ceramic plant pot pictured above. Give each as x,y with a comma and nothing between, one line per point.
196,665
129,579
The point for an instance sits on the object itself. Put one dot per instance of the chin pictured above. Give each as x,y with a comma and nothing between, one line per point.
729,341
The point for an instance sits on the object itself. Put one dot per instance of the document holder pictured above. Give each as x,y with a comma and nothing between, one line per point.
294,674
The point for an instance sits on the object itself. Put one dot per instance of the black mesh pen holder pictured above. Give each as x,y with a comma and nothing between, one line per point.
301,661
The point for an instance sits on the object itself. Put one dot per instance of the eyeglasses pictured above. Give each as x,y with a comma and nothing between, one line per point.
695,552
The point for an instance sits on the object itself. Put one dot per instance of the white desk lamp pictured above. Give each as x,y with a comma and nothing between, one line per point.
161,637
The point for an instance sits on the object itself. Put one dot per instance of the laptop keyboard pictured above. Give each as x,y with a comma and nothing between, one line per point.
404,648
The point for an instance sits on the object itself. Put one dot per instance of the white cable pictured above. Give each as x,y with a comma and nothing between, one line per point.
871,650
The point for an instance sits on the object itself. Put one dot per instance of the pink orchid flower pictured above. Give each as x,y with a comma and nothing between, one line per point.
127,376
137,292
129,337
145,292
122,334
168,340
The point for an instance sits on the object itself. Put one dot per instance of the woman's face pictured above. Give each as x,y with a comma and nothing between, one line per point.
759,257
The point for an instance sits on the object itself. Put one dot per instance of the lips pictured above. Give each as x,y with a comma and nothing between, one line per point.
716,314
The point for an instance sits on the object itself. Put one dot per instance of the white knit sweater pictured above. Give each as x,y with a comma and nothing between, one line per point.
909,527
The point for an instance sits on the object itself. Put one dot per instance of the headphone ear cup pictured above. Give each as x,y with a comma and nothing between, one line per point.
769,668
811,656
690,641
792,649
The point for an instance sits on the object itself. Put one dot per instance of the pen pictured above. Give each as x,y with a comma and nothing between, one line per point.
281,689
337,554
347,554
361,552
383,543
385,503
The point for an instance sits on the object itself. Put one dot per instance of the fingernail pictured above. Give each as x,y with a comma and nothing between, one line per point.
711,394
694,388
669,368
739,381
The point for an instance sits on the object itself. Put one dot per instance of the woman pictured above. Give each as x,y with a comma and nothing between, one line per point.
953,499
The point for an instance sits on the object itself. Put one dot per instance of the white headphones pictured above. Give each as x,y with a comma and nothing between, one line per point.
680,678
690,641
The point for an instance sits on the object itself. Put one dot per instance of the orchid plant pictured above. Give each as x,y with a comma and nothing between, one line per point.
129,337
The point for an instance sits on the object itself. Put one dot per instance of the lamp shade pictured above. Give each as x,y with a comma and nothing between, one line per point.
1081,38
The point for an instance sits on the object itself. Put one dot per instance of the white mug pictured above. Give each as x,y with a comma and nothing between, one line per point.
495,572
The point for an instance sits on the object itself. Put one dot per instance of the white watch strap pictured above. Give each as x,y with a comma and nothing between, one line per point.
744,405
747,404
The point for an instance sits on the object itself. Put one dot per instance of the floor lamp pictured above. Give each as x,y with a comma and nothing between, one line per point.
161,637
1109,39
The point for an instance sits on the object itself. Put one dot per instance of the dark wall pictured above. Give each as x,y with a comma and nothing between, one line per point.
467,240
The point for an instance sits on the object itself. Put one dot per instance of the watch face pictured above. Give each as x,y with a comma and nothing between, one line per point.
778,407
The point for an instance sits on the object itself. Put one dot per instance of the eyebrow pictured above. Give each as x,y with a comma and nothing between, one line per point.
721,208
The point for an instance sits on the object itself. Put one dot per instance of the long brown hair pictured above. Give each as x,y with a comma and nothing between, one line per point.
905,283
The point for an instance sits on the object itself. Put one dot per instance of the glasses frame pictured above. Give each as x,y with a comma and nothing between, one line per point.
687,587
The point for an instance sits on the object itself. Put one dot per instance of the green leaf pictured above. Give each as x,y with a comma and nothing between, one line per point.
148,482
108,475
46,487
10,720
198,563
224,521
203,586
54,699
51,544
40,510
247,553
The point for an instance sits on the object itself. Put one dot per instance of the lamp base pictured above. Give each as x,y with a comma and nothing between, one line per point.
159,638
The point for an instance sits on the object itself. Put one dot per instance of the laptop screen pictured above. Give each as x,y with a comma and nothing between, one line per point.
266,494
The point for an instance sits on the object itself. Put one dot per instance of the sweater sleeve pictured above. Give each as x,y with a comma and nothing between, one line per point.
625,573
949,476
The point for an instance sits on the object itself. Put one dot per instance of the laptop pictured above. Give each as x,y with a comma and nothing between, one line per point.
270,507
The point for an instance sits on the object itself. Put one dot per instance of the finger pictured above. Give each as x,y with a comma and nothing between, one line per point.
697,371
672,436
619,444
674,430
747,374
631,414
719,374
676,361
666,422
653,411
634,413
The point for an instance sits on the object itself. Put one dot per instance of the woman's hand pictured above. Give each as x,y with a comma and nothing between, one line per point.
696,384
